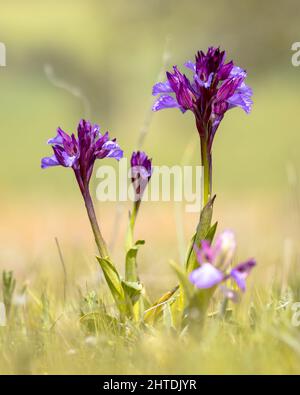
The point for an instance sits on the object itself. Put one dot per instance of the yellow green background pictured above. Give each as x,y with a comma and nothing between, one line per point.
114,51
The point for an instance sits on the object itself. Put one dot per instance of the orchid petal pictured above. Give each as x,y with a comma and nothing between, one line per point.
206,276
165,101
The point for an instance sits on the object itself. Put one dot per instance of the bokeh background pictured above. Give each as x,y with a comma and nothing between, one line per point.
99,59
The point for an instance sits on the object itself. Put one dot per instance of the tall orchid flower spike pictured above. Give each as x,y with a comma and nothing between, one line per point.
214,262
80,154
215,88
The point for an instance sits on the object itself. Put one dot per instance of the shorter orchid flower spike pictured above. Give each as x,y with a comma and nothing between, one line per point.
141,172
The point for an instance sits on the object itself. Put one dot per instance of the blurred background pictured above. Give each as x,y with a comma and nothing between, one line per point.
99,59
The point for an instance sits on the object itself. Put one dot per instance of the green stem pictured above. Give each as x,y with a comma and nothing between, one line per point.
223,308
132,219
94,224
205,161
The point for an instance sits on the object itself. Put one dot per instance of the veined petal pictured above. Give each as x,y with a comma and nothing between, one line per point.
228,88
101,141
241,272
110,149
116,153
63,158
110,145
183,89
206,276
225,71
236,70
242,98
161,87
49,162
190,65
56,140
65,137
165,101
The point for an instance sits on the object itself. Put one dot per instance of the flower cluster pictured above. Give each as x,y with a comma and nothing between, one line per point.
214,262
215,88
141,172
80,153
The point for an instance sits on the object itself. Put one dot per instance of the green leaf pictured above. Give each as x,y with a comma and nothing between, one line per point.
190,254
114,282
211,233
130,263
205,220
154,312
132,289
186,285
192,262
167,316
204,231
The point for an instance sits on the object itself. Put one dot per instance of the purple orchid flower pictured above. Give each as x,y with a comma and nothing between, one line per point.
240,272
214,262
221,253
141,172
81,153
215,88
